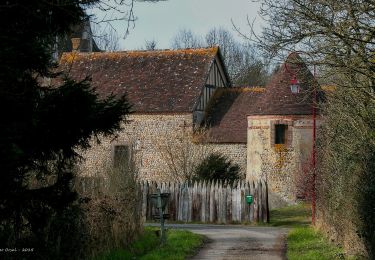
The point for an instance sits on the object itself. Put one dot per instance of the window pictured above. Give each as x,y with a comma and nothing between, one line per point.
280,134
120,155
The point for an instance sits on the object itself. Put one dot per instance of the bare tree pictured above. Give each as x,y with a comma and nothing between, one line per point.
187,39
181,154
150,45
244,65
105,37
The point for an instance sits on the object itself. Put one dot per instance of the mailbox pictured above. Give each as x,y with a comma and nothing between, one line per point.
164,197
249,199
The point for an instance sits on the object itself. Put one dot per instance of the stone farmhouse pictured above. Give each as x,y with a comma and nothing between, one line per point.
170,92
184,107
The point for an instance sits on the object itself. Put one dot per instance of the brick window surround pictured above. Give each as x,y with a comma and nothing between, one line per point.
289,131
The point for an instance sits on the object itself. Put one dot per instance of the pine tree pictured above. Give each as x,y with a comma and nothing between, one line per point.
41,127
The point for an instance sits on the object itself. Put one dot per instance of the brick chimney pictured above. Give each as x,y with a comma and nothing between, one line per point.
76,42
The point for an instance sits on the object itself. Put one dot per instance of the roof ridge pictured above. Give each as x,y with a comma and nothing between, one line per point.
202,50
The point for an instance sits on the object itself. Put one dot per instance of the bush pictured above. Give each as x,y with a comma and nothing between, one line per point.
217,167
112,212
345,188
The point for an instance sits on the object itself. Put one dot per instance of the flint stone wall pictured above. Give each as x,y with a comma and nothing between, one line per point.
151,137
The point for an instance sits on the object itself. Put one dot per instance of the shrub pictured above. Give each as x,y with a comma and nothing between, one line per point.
112,212
217,167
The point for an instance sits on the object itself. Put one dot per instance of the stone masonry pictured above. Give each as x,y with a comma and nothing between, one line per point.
155,139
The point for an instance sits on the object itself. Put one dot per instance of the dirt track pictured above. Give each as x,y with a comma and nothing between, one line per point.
239,242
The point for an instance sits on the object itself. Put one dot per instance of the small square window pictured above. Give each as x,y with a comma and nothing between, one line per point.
280,133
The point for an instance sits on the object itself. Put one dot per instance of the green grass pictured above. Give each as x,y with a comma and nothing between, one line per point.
180,244
292,216
303,241
306,243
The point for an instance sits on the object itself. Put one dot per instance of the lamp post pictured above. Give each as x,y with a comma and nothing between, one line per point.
295,88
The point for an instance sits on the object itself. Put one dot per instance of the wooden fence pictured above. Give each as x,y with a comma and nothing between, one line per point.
214,202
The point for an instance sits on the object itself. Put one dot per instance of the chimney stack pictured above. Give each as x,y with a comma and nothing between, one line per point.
76,42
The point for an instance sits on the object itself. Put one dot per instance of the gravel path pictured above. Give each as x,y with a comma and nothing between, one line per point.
238,242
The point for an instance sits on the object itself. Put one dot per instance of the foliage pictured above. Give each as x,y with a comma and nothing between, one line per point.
338,36
217,167
42,126
180,244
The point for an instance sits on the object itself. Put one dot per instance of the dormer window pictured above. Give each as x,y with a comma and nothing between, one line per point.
295,88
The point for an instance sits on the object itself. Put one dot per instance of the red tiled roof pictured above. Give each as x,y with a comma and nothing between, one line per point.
278,98
227,115
154,81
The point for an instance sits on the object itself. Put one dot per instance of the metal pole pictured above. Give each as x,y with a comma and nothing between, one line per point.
313,209
162,231
313,159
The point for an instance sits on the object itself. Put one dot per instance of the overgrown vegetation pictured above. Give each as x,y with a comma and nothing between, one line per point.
112,212
180,244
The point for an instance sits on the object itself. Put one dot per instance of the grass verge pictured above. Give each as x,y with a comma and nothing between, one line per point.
180,244
306,243
303,241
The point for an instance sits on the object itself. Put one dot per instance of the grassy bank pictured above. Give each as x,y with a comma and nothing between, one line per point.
180,244
303,242
307,243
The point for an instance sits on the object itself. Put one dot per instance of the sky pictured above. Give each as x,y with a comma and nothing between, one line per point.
162,20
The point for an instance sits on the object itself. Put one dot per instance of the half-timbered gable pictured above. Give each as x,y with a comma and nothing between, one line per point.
216,78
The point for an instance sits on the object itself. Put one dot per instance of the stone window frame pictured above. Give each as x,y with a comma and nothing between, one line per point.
289,131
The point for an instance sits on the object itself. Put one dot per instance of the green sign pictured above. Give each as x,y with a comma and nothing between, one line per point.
249,199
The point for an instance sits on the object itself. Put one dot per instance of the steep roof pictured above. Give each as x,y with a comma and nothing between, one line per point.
227,115
154,81
278,98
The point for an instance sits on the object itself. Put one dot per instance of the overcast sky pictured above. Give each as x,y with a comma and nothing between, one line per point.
162,20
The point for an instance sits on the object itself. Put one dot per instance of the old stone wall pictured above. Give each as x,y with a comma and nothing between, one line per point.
162,146
286,167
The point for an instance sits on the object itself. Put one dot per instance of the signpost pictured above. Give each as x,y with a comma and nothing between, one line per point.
160,200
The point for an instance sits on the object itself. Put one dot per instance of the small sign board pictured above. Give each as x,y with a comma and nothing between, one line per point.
249,199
